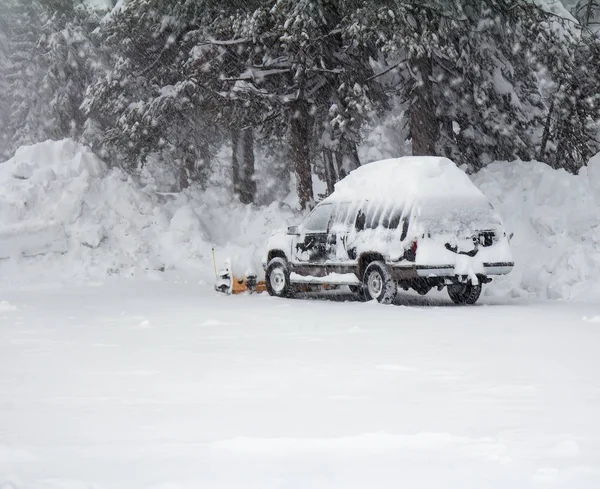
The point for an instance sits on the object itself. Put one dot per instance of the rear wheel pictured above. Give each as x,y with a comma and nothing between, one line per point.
466,293
378,283
277,278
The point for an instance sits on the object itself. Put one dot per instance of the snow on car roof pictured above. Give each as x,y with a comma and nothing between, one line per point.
408,178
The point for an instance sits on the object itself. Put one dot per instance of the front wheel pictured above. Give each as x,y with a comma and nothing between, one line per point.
378,284
358,292
277,278
464,293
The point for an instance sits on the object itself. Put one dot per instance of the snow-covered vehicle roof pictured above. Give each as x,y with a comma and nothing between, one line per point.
431,188
411,177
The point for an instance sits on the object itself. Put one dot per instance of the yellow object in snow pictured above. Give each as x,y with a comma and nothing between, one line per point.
228,284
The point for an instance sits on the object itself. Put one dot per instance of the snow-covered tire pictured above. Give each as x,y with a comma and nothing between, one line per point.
378,284
464,294
277,277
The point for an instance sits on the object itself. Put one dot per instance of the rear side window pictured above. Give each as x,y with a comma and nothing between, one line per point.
394,218
318,219
361,220
373,216
341,214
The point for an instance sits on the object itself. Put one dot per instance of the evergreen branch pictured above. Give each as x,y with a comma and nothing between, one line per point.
387,70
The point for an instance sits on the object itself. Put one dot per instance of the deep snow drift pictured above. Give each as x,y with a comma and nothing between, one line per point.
555,218
64,216
154,385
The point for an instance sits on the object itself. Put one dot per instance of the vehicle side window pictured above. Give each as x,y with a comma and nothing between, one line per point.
341,214
404,229
394,218
373,217
318,219
361,220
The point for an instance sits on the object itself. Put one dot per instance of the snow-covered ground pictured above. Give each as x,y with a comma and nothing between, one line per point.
153,384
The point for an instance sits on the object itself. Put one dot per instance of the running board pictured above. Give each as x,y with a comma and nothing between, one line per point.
330,279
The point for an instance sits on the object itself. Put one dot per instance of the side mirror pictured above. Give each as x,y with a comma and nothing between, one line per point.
293,230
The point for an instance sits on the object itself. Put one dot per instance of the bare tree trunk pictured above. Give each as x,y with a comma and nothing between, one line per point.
330,174
424,124
300,130
355,157
235,161
186,172
546,133
247,184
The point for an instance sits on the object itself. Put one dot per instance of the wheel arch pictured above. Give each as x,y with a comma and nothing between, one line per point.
276,254
365,259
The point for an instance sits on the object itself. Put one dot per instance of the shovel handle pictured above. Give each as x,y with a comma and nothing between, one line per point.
214,262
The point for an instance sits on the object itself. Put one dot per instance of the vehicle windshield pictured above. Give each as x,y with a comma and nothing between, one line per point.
318,219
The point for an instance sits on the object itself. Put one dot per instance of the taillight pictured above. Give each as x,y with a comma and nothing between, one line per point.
410,253
413,247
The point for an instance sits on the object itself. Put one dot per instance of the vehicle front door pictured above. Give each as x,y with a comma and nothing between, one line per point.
311,246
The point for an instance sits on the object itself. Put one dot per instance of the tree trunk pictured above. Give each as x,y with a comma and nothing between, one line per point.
330,173
247,185
347,160
186,172
546,133
235,161
424,124
355,157
300,130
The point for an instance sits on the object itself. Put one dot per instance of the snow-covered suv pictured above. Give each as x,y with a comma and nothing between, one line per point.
412,222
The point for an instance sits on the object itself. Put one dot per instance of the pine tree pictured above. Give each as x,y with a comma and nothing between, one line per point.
468,70
5,100
216,62
24,75
149,102
572,133
314,77
71,62
50,63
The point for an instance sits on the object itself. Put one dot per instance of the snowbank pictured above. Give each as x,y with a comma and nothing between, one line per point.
555,218
65,216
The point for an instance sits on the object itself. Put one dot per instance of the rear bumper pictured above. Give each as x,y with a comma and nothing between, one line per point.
405,272
499,268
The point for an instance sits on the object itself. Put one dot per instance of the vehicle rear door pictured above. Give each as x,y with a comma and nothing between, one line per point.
342,224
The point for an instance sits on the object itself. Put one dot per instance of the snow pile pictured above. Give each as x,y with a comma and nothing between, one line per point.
555,218
200,220
64,215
